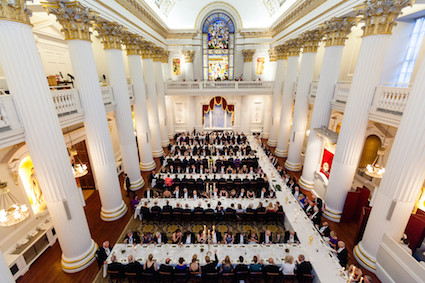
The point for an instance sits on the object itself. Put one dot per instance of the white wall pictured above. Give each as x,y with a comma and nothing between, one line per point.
350,53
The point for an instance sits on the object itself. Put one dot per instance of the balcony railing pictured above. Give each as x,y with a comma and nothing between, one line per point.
341,93
390,100
313,91
130,92
108,97
66,101
219,86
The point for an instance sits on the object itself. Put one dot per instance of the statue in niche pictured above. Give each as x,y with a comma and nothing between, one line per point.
35,188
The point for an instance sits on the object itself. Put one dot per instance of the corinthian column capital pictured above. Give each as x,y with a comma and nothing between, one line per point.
248,54
159,53
110,34
292,47
15,10
164,58
188,55
272,55
76,20
336,30
147,49
132,43
380,15
310,40
281,53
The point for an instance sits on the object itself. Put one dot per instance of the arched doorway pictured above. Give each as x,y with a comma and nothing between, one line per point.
218,44
370,150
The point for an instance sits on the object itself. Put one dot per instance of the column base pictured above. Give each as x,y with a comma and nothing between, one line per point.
306,185
280,153
272,143
293,166
147,167
165,143
115,214
171,136
266,135
72,265
137,185
331,215
158,153
363,258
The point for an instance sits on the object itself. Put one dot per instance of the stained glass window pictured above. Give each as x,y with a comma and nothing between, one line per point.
218,47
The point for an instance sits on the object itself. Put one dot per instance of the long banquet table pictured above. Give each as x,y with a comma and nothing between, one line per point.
321,256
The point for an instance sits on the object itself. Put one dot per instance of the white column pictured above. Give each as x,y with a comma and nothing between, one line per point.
141,113
19,59
337,30
191,113
149,75
354,124
170,115
247,70
403,178
124,117
277,102
267,116
296,137
5,274
161,103
287,105
245,114
188,64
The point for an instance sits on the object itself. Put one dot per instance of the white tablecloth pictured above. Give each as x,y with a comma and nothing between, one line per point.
322,258
210,175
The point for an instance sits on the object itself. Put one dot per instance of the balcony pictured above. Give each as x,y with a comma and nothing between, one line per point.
68,108
213,87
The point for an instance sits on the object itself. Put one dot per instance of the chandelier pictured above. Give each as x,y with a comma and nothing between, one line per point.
78,167
11,211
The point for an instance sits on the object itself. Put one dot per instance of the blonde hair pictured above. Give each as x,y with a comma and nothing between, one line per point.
194,258
289,259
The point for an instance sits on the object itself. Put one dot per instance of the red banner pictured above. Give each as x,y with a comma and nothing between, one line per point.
326,165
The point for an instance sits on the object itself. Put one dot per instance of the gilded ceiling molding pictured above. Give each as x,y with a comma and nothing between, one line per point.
165,55
292,47
281,52
132,43
336,30
248,54
380,15
310,40
147,50
272,55
188,55
15,10
159,53
257,34
110,34
76,20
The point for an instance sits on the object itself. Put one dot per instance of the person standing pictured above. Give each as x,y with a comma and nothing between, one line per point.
127,184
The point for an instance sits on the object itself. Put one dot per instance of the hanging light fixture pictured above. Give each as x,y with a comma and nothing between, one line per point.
78,167
11,211
375,170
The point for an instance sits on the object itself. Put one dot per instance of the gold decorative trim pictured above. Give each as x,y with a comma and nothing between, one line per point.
380,15
337,30
158,54
15,11
188,55
132,43
76,19
281,52
248,54
293,47
147,50
110,34
310,40
215,3
272,55
257,34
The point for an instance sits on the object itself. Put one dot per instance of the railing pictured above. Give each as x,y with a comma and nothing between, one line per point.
213,85
4,119
108,97
8,116
66,101
313,91
130,91
390,100
341,93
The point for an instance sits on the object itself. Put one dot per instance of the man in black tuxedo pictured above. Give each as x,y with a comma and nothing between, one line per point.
324,230
302,267
291,237
188,238
176,192
241,267
266,237
210,266
167,267
342,254
116,266
148,193
167,207
177,209
131,238
160,238
231,209
260,208
133,266
271,267
199,208
240,238
155,208
103,253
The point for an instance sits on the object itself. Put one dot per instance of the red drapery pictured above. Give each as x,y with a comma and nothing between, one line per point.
326,165
218,100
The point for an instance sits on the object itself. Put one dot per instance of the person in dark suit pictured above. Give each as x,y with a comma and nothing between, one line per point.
188,238
324,230
155,208
116,266
316,217
302,267
103,253
160,238
178,208
241,267
241,238
167,267
260,208
291,237
215,236
127,184
199,208
266,237
342,254
133,266
148,193
131,238
167,207
210,266
271,267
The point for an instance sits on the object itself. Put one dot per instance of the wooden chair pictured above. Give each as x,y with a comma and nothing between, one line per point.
242,275
147,277
132,276
227,277
195,276
210,277
176,216
288,278
307,278
166,216
255,276
180,277
272,277
114,275
166,277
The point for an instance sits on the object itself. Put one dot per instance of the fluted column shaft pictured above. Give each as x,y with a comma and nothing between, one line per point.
161,103
299,124
189,71
247,71
5,274
267,116
245,114
141,113
19,59
281,69
97,129
321,112
191,117
287,105
403,178
354,124
149,75
123,116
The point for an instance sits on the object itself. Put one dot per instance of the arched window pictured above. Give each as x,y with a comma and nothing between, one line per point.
218,44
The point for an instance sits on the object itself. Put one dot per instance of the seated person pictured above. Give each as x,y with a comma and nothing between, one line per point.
278,238
250,194
241,238
242,193
249,209
260,208
150,265
201,237
256,265
333,239
233,194
147,238
271,267
160,238
241,267
288,266
240,209
195,194
253,239
210,266
194,264
302,267
272,194
177,237
342,254
223,194
270,208
302,200
181,267
229,238
116,266
324,230
166,267
166,194
355,273
131,238
266,237
291,237
226,266
167,207
215,236
188,238
263,193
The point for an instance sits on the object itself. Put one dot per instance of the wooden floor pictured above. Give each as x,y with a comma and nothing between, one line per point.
47,268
